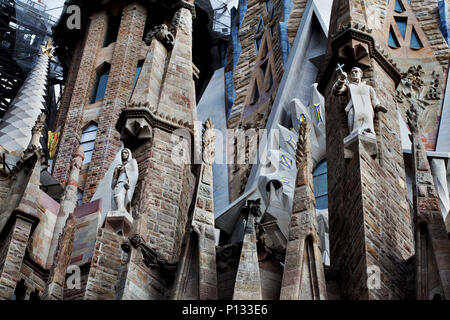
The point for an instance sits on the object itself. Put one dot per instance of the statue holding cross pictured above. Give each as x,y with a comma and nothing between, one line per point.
363,102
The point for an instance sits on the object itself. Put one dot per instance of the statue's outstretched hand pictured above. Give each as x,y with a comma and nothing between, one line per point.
380,108
343,76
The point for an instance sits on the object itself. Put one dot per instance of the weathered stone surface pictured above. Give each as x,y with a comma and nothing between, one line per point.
303,275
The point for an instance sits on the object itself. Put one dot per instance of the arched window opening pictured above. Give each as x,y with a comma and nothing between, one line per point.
101,81
88,141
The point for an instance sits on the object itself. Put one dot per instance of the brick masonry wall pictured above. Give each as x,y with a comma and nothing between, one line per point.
125,58
56,282
295,18
11,255
368,200
80,96
143,283
427,14
104,267
69,86
160,196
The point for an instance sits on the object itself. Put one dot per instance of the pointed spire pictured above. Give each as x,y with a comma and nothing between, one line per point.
17,124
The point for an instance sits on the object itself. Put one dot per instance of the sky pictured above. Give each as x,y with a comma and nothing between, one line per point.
51,4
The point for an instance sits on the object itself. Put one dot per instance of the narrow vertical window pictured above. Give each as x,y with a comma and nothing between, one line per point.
320,185
112,29
393,42
259,32
138,71
101,81
79,197
401,24
399,6
255,94
88,141
415,41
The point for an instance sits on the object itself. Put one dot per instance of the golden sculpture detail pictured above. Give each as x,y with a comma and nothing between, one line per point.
53,139
48,48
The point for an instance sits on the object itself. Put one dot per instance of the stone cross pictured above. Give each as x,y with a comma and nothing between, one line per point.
339,68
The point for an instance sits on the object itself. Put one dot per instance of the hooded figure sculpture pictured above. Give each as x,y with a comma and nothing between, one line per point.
124,180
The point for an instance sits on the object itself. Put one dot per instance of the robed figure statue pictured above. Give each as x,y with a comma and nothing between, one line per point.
123,182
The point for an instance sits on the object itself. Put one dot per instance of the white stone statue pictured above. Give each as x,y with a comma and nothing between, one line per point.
363,103
124,180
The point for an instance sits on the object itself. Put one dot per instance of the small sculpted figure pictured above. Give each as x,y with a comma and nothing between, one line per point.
123,183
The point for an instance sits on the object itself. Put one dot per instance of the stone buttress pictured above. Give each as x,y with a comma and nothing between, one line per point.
370,222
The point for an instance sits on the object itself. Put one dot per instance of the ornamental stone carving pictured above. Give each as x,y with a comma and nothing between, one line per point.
162,34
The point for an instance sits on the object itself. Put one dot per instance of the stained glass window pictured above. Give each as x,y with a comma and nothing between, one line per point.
320,185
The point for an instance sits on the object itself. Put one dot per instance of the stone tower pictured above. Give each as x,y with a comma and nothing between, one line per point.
368,206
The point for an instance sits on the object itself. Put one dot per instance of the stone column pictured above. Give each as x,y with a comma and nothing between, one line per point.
64,232
203,220
303,276
248,278
69,199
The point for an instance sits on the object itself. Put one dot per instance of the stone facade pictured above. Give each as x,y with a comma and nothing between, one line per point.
178,247
256,71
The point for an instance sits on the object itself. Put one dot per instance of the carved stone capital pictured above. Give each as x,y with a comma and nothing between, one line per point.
136,121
